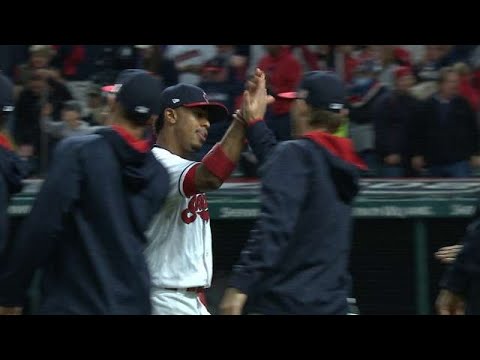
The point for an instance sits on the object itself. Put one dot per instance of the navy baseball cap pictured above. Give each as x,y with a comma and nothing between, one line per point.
7,103
190,96
320,89
123,77
139,93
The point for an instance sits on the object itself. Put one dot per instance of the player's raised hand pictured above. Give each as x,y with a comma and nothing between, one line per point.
255,98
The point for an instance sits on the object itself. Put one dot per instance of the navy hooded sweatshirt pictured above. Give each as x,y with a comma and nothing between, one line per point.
11,175
86,229
296,260
463,276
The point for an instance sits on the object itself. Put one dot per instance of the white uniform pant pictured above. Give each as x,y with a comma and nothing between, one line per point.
176,302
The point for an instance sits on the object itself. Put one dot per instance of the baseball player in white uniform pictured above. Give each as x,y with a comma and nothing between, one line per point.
179,252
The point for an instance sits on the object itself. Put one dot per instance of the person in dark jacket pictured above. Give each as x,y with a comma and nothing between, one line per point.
393,116
11,173
296,260
86,227
460,285
446,137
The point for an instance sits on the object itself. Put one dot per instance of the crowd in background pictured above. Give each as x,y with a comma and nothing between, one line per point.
413,109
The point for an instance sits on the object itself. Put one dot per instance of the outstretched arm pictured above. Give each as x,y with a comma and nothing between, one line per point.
220,162
284,188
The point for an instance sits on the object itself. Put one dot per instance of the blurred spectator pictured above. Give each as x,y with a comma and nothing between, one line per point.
236,58
189,60
428,68
427,72
364,93
466,88
240,61
110,60
154,61
388,63
40,58
402,57
314,57
394,115
283,74
42,88
416,52
124,57
220,84
11,56
69,59
456,53
71,121
446,137
345,62
368,53
96,103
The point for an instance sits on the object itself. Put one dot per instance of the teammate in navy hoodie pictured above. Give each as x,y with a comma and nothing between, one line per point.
86,228
10,164
460,284
296,260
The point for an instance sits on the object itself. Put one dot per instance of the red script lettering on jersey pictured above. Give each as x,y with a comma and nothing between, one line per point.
197,206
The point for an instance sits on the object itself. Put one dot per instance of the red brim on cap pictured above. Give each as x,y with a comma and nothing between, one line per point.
216,111
288,95
108,88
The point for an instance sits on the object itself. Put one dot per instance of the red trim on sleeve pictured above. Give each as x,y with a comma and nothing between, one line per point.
5,142
140,145
188,185
218,163
253,122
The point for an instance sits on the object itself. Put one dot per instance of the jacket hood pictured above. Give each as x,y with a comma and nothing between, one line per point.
343,160
132,154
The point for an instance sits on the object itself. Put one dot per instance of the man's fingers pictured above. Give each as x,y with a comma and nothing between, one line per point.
251,85
270,99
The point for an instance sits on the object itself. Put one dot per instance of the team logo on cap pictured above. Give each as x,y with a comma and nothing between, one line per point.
205,97
335,106
142,109
8,108
175,101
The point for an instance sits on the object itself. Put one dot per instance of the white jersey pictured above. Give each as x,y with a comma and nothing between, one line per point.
179,251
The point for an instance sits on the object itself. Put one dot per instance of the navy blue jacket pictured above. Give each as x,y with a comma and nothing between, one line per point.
10,183
463,276
296,260
86,229
395,119
446,135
